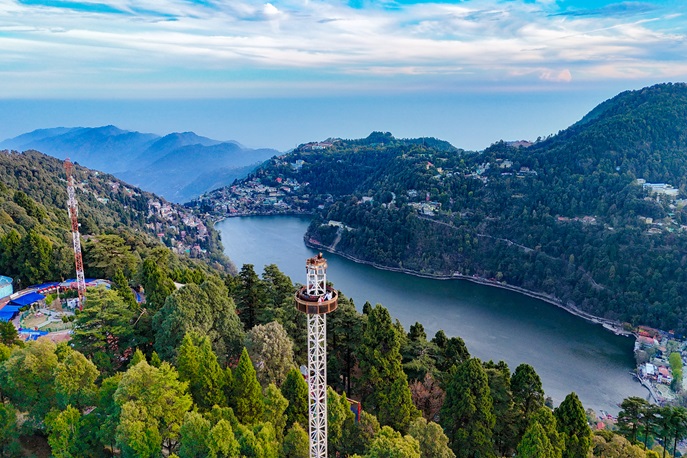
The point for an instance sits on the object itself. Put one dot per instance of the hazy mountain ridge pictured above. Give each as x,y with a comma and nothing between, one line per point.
163,165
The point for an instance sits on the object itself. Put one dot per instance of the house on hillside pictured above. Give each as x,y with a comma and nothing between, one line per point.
664,375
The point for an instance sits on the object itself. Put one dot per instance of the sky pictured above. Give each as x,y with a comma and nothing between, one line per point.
284,72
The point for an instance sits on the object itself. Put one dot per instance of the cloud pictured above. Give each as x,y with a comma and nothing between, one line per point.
564,76
270,10
298,43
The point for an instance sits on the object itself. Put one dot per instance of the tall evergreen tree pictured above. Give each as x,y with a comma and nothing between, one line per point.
63,432
194,435
272,350
572,424
467,415
153,403
103,331
296,443
339,419
275,408
544,416
295,390
250,296
379,357
155,279
207,309
222,442
535,443
344,333
246,397
630,416
121,285
528,395
197,364
27,380
433,441
391,444
499,385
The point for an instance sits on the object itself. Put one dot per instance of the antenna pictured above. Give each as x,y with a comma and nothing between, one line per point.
76,238
316,299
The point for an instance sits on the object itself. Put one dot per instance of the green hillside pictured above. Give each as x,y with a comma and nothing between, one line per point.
567,216
119,223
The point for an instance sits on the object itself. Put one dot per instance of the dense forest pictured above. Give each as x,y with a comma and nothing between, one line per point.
593,216
212,373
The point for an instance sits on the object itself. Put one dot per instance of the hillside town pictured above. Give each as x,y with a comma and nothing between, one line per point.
252,197
660,357
176,226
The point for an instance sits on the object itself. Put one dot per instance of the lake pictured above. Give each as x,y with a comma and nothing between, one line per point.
568,353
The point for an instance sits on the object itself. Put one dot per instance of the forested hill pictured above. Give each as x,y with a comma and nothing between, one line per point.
593,216
119,223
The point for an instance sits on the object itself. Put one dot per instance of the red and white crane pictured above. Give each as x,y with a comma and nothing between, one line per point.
76,238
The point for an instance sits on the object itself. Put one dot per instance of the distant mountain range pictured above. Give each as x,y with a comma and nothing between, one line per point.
178,166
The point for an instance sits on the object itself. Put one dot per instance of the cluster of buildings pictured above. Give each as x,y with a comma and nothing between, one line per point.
251,197
658,188
177,227
652,350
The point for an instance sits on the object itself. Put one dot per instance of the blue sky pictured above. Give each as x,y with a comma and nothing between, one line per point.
282,72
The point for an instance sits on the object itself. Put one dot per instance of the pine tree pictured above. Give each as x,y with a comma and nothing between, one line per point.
379,356
121,286
296,443
544,416
535,443
390,444
295,390
433,441
275,407
467,415
194,434
572,424
250,296
630,416
499,386
339,419
528,395
246,399
222,442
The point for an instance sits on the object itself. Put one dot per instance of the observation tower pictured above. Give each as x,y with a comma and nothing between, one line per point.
316,299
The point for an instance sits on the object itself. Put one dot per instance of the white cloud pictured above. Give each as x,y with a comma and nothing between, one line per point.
270,10
563,76
246,40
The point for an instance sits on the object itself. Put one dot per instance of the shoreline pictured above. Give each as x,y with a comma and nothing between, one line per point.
219,219
610,325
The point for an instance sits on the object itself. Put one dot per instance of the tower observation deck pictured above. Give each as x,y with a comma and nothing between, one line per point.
316,299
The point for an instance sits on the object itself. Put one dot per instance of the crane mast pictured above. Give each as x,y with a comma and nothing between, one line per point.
76,238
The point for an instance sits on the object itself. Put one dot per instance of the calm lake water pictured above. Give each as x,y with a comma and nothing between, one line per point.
568,353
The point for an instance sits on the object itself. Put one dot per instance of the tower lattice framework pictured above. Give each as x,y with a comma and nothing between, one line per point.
316,299
76,237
